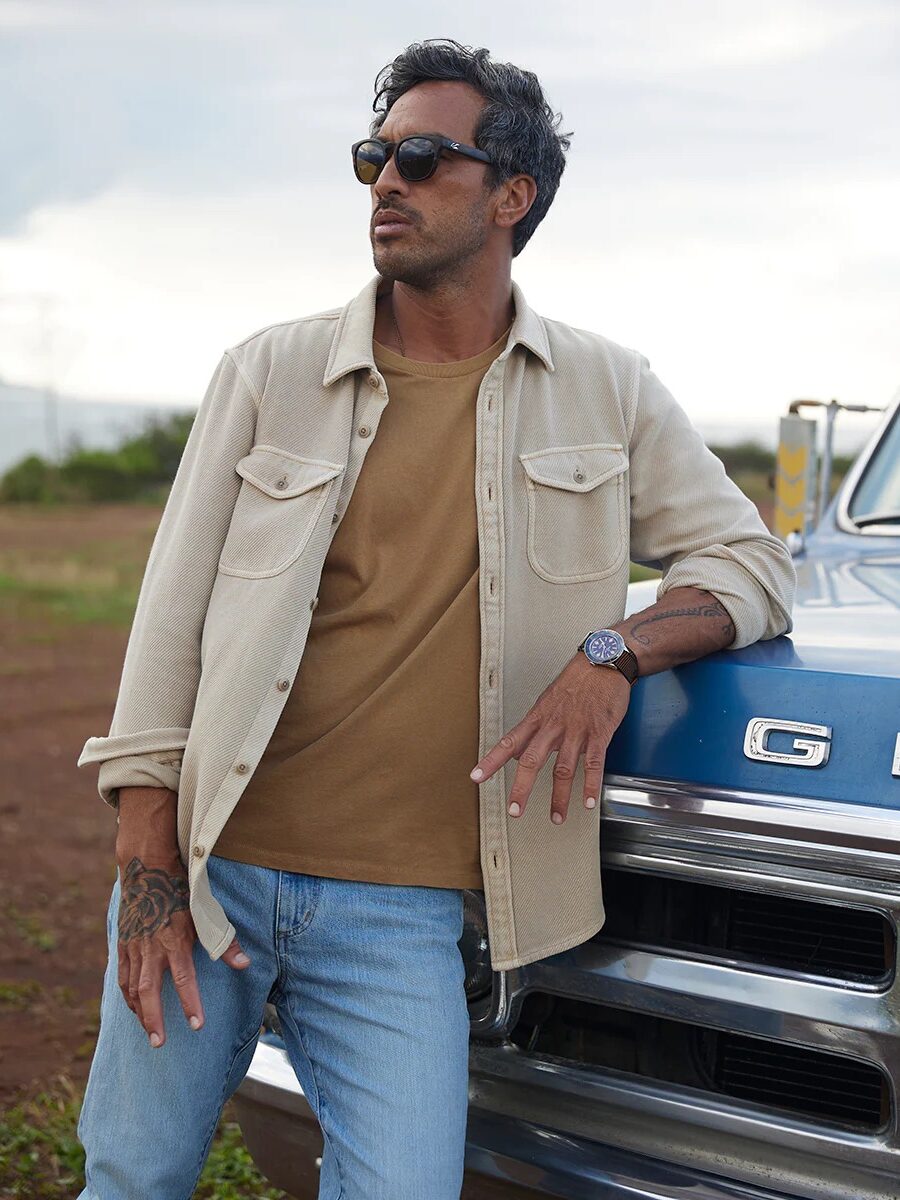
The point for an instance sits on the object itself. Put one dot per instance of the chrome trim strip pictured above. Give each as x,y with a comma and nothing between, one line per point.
519,1153
657,802
855,474
799,1011
684,1126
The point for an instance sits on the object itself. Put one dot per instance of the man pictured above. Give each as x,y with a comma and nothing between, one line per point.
389,751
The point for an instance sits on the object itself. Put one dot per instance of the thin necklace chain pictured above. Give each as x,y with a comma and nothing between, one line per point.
400,339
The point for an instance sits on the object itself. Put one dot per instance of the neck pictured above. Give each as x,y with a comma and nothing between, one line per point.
443,324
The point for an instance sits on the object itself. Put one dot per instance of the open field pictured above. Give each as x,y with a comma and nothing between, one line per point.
68,582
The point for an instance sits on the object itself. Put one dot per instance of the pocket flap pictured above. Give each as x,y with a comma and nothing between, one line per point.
575,468
281,474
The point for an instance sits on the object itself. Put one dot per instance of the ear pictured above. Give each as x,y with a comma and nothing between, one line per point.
516,198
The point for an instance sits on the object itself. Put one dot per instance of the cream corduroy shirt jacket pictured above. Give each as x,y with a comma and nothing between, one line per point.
583,462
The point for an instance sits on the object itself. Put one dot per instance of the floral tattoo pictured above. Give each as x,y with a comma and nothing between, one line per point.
150,895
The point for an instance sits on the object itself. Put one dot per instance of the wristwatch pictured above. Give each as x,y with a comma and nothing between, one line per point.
606,648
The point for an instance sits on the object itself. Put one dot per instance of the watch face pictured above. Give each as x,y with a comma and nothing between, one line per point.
604,645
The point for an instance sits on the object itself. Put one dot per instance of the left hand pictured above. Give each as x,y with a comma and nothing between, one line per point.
580,710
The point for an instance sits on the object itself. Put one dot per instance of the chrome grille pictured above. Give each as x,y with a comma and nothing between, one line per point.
740,1010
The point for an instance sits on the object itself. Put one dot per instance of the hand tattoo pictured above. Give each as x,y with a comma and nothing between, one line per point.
150,895
714,610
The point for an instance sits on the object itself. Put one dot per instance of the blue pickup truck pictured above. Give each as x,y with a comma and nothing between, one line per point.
733,1032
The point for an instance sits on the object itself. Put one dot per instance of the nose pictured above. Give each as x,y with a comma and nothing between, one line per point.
390,181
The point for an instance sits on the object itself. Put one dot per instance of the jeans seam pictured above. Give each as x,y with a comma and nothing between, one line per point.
215,1124
320,1099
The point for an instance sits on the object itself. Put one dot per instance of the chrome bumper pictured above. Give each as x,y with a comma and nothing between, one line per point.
506,1157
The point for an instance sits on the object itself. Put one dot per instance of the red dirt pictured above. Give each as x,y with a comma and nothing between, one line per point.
57,837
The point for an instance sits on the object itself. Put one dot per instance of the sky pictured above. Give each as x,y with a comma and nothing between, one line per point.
177,176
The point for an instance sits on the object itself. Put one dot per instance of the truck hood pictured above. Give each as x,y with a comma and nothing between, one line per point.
839,668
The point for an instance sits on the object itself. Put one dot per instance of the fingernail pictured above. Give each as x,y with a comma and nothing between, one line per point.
155,1039
241,958
195,1022
514,809
476,774
590,802
556,818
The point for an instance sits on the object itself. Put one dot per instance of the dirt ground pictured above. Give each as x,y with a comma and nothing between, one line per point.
58,684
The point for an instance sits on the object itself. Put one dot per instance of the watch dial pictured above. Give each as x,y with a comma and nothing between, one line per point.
604,645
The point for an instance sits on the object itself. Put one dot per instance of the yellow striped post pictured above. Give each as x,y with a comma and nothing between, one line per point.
795,476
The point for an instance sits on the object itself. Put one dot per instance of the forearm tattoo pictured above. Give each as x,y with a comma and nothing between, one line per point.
150,895
715,611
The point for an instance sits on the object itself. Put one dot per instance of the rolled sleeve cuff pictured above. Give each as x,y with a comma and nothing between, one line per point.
756,610
151,758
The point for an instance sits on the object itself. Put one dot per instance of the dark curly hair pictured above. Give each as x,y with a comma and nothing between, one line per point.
517,127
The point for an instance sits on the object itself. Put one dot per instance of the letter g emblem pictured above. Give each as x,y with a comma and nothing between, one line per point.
804,752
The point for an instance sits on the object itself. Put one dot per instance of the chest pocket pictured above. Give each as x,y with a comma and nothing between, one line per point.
576,511
280,501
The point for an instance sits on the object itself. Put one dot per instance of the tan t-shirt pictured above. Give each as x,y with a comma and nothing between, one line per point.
366,775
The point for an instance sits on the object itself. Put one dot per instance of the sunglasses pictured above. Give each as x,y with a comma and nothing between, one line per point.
416,156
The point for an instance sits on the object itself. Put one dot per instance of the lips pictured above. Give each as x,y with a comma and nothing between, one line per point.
389,222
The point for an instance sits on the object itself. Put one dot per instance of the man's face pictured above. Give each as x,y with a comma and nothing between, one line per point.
450,213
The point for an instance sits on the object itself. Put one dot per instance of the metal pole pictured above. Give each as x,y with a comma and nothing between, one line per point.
827,456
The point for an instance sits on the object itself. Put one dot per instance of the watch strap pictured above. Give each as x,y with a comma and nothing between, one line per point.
626,664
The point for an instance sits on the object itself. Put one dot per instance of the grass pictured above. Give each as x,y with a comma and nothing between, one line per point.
42,1159
30,929
637,573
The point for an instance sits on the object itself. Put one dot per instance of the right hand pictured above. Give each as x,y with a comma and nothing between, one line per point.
156,931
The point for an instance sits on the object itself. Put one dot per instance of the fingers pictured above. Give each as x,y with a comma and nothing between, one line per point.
235,956
149,987
509,746
563,773
142,963
184,977
594,762
531,759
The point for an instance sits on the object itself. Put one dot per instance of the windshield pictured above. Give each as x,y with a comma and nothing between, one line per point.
879,489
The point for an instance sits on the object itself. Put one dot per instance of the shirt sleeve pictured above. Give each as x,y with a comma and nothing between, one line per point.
692,522
161,671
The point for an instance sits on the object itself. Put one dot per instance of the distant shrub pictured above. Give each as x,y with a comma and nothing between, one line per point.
32,481
139,469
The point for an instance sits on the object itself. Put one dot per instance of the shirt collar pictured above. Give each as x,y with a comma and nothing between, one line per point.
351,348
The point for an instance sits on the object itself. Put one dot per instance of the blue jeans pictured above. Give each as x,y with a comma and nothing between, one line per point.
368,983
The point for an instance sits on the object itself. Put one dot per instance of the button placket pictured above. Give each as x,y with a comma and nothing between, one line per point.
494,828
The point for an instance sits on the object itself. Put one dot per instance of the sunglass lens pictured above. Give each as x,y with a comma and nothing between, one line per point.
368,161
415,158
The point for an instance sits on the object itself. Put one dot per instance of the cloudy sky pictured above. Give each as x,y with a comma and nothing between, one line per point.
177,175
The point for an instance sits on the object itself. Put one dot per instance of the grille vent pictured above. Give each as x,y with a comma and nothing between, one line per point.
761,929
825,1087
822,1085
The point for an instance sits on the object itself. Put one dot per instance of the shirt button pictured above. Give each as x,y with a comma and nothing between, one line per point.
199,852
364,431
373,381
281,483
334,519
241,768
579,475
314,602
283,685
